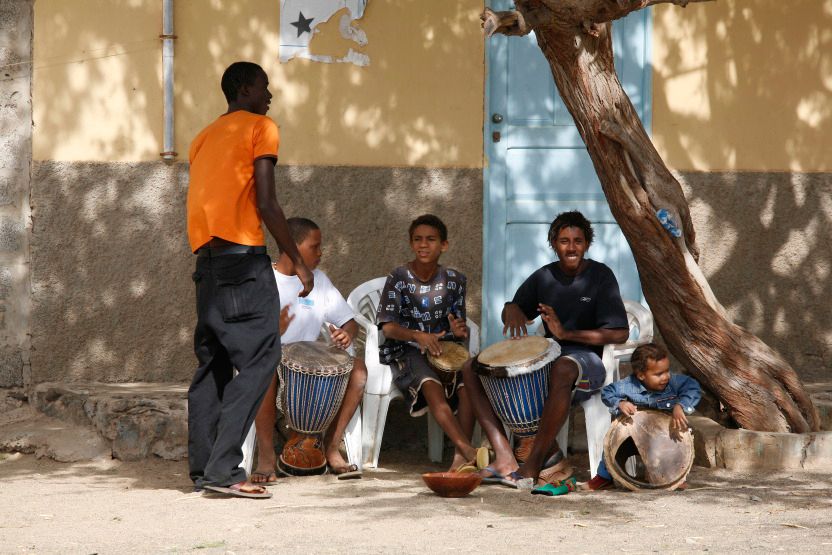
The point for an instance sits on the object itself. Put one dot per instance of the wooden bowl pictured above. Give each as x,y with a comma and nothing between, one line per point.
452,484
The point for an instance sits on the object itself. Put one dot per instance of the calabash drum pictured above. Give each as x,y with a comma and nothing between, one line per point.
449,363
313,378
515,376
666,455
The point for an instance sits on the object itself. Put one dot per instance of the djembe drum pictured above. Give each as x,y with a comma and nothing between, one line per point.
666,455
515,376
448,365
313,378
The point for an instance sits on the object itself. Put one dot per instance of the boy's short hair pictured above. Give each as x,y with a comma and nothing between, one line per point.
570,219
299,229
236,75
431,220
643,353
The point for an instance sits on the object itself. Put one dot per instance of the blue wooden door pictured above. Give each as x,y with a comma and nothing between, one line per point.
540,167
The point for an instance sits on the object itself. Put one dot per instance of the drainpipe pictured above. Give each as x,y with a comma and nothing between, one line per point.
167,37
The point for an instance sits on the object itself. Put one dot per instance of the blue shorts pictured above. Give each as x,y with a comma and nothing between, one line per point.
591,372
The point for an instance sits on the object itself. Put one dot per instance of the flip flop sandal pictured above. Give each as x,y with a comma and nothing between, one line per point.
556,488
346,472
477,463
498,478
559,470
266,475
236,491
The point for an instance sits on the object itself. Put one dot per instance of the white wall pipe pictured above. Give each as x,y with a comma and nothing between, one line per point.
167,37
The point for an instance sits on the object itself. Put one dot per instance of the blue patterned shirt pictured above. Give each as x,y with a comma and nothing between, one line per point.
681,390
420,305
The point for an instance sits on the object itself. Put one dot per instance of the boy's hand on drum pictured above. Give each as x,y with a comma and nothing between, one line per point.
339,337
547,313
627,408
680,421
515,321
458,326
285,319
428,342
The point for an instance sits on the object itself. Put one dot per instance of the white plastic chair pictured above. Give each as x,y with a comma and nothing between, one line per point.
352,433
380,390
596,414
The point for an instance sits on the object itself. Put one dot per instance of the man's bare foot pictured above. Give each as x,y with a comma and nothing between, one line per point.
267,477
335,460
265,468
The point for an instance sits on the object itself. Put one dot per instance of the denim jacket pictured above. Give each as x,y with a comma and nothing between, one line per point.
680,390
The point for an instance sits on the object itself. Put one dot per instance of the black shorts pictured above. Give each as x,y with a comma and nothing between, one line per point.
410,371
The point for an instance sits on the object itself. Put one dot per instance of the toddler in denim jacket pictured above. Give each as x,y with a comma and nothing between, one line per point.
651,385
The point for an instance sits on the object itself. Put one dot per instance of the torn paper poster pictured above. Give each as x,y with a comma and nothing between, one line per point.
298,19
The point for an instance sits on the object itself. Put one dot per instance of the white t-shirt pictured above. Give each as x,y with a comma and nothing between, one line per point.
323,304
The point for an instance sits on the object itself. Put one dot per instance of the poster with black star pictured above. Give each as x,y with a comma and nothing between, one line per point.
298,22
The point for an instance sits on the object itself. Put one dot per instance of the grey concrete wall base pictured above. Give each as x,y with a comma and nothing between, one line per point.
138,420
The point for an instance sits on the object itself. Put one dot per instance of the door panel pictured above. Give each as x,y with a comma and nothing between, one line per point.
540,166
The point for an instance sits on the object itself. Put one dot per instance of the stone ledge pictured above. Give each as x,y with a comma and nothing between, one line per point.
718,447
138,420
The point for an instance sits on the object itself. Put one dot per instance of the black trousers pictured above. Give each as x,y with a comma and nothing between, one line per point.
238,315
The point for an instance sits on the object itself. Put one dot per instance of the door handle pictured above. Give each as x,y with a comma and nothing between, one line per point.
497,118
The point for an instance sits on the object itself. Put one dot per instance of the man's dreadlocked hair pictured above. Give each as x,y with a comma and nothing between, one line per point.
570,219
237,75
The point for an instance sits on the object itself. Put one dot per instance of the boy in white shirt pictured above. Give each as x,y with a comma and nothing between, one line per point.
301,319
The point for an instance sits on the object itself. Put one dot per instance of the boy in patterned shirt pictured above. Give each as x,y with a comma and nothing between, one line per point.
422,306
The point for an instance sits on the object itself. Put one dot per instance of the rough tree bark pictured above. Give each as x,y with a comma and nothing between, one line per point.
759,389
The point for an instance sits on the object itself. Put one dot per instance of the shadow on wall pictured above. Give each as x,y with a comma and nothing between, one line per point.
419,102
765,105
111,265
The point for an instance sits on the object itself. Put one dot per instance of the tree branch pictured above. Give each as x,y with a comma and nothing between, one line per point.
516,22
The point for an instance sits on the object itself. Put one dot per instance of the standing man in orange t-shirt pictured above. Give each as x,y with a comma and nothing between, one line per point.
231,193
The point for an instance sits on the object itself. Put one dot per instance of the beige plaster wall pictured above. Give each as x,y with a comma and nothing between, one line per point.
98,96
744,85
111,269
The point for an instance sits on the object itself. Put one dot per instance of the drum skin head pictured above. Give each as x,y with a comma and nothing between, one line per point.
314,354
452,358
666,454
514,351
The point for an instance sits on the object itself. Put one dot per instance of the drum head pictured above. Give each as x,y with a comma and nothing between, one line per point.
663,456
510,352
452,358
315,355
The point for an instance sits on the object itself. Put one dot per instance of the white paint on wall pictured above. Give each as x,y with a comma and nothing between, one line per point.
300,18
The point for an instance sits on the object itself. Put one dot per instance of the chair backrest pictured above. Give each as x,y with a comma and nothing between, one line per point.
638,318
364,301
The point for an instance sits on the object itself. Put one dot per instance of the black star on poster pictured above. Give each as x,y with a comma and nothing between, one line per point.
303,24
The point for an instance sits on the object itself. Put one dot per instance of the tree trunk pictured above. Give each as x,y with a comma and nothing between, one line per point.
759,389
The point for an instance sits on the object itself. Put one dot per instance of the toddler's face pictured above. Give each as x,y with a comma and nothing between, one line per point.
657,374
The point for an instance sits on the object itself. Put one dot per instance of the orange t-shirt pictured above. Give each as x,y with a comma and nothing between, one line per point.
222,201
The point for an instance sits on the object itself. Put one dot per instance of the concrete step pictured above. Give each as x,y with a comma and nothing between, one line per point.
137,420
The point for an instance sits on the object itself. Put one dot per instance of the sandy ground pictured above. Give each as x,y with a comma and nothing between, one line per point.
149,507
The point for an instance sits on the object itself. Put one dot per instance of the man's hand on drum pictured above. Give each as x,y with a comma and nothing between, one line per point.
515,321
458,327
340,337
428,342
547,313
285,319
627,408
680,421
